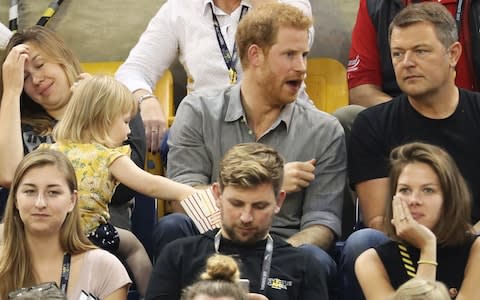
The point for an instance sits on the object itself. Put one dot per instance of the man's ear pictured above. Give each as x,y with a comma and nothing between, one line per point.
217,193
454,52
255,55
280,198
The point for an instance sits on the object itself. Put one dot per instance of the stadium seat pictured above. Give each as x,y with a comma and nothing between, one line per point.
163,89
327,83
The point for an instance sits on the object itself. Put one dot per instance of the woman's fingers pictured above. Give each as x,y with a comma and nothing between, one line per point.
14,68
406,227
398,214
407,215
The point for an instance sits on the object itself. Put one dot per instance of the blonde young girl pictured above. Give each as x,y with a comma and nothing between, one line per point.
91,133
421,289
220,280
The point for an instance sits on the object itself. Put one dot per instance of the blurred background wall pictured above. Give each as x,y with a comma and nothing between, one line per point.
107,30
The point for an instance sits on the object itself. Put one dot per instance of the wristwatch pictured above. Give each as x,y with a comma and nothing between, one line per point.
145,97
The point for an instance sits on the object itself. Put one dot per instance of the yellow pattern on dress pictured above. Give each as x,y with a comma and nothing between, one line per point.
95,182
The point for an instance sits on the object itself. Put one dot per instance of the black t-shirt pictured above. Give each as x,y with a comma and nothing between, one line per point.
451,260
379,129
294,273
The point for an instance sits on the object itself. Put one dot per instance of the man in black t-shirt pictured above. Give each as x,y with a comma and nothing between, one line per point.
424,50
248,194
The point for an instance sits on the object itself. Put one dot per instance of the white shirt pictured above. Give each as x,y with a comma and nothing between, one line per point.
184,28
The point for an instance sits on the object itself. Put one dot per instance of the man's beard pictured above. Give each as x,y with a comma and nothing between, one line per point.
257,236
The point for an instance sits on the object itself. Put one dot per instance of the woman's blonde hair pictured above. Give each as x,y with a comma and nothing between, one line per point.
15,265
56,51
219,280
421,289
95,103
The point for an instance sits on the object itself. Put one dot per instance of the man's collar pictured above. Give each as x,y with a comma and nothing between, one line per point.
279,242
207,3
235,109
287,114
206,6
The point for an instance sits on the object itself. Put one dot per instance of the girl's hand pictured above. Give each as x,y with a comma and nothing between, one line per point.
13,69
80,77
407,228
189,191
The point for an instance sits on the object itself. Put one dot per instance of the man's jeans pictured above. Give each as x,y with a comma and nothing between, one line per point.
356,243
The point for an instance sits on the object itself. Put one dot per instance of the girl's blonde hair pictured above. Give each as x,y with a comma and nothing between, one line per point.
56,51
221,267
219,280
15,265
95,103
421,289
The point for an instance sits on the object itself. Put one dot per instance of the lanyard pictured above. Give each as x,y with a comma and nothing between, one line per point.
47,14
230,59
458,15
65,272
13,15
267,258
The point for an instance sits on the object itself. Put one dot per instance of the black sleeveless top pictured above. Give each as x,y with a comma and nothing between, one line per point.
451,262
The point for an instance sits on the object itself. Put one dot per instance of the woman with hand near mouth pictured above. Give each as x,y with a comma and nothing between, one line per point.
428,223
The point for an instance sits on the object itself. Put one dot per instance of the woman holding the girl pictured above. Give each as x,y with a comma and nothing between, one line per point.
38,70
37,94
90,134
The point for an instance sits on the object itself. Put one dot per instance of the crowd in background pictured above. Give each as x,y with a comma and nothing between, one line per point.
72,147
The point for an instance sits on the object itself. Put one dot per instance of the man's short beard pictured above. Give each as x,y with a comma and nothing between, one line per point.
234,237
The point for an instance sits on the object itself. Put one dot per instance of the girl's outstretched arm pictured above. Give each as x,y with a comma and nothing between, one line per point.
125,171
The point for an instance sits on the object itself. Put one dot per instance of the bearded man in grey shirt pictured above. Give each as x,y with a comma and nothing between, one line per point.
263,108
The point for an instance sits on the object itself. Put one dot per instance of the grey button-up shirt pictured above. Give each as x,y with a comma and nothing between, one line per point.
206,126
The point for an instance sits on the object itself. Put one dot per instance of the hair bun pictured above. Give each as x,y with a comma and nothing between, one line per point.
221,267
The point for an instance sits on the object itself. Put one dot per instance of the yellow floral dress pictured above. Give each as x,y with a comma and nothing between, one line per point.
95,182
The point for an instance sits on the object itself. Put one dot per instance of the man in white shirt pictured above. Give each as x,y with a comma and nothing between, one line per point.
186,29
